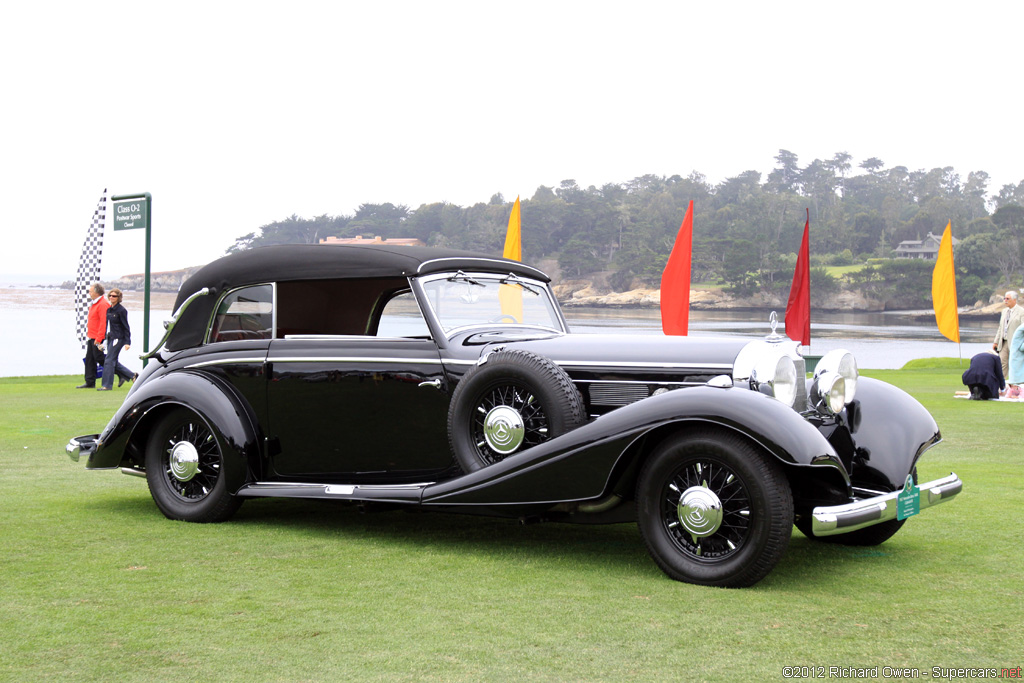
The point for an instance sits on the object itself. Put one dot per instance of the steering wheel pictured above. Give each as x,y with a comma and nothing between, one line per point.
504,318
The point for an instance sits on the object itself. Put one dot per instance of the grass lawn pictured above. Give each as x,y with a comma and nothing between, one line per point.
840,271
98,586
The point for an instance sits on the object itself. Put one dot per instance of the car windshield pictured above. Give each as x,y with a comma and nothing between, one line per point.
466,300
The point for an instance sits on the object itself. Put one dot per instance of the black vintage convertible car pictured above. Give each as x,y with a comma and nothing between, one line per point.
445,380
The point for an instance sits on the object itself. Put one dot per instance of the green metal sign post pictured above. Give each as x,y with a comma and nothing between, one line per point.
135,212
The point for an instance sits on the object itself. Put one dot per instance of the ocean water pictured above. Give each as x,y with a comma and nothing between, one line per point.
38,334
37,331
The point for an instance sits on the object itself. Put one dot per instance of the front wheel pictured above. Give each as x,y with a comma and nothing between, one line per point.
876,534
713,509
185,470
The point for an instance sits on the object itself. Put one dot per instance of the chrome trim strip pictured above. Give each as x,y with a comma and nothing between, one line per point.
225,294
174,321
645,365
829,520
352,359
419,268
635,381
289,485
455,361
227,361
333,489
347,337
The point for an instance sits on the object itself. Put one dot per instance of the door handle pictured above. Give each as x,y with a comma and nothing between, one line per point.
436,383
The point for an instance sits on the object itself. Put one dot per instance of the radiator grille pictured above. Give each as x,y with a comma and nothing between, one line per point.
609,394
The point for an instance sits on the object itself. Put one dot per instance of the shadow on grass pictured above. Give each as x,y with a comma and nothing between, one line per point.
440,531
806,562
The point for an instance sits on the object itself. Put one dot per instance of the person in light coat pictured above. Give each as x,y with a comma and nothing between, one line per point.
1010,319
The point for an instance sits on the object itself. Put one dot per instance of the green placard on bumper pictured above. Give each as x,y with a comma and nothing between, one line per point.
908,503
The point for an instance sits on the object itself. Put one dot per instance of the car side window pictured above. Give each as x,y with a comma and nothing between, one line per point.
401,317
246,313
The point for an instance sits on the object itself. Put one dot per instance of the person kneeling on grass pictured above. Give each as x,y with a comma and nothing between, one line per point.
984,377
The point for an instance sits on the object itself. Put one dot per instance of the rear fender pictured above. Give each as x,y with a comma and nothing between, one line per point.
123,442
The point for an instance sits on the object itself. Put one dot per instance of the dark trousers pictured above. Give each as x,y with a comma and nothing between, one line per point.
112,367
93,357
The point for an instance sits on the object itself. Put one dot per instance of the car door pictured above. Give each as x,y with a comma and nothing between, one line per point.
359,408
370,407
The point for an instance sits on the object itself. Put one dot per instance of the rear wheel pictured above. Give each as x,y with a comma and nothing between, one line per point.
713,509
184,469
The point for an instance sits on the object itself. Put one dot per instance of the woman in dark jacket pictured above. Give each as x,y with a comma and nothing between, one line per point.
119,336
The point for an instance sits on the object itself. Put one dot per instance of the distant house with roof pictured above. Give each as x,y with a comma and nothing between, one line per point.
359,239
928,248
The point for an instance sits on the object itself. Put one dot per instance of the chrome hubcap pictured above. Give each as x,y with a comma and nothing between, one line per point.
504,429
700,511
184,461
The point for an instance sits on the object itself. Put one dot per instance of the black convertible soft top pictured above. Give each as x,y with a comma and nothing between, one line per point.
320,262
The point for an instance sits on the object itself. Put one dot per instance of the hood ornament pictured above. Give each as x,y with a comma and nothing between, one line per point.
773,320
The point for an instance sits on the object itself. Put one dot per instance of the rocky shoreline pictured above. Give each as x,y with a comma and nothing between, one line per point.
168,281
579,293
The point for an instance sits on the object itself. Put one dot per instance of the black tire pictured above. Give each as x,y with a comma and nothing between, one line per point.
875,534
512,401
734,546
184,469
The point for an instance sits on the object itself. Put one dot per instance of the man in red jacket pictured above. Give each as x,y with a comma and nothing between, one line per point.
95,333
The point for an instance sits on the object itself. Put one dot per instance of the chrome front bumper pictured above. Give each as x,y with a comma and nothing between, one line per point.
81,445
840,519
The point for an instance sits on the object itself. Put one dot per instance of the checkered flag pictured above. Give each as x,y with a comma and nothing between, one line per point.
89,267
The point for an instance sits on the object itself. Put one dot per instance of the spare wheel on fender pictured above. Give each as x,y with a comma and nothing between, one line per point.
511,401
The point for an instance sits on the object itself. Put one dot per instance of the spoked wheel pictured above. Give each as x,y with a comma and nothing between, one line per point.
184,468
509,417
714,510
511,402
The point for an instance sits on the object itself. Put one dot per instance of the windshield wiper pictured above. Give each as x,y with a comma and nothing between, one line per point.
462,277
511,279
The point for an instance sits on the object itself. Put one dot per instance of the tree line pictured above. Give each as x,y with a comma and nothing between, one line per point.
747,228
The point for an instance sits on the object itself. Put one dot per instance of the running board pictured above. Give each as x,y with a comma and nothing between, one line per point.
389,493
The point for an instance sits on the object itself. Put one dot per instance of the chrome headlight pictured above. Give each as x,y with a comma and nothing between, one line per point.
780,374
829,392
835,365
769,369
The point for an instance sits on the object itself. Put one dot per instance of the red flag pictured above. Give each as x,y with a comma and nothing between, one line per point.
798,308
675,280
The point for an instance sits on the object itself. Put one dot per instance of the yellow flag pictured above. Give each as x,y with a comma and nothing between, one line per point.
511,296
514,236
944,288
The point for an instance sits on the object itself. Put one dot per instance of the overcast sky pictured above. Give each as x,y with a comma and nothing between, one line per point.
237,114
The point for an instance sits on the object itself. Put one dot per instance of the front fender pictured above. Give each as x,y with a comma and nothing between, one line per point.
215,401
891,431
579,465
